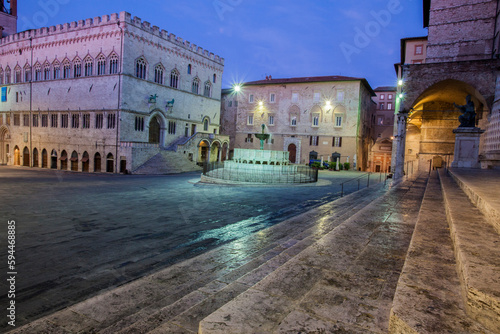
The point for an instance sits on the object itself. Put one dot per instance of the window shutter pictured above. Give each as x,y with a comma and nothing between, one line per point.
340,141
310,140
333,142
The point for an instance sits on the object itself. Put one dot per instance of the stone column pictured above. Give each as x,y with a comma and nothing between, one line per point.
400,140
466,154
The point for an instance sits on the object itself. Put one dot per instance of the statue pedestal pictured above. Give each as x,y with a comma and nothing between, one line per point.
466,153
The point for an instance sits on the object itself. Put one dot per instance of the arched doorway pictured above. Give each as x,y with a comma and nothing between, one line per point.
203,152
26,157
97,162
74,161
64,160
35,157
44,159
110,163
4,146
85,162
53,159
154,130
17,156
292,150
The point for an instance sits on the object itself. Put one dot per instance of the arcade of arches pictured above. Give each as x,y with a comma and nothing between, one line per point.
212,152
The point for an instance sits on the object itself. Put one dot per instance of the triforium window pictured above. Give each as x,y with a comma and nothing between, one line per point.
64,120
27,73
139,123
53,120
99,121
195,88
86,121
171,127
101,65
174,79
38,72
140,68
208,89
113,64
77,68
75,121
159,74
111,121
89,63
18,74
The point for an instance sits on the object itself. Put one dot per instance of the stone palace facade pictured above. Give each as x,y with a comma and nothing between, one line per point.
107,95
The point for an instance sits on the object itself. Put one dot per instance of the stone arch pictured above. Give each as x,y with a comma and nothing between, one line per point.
316,111
4,145
26,156
225,151
215,151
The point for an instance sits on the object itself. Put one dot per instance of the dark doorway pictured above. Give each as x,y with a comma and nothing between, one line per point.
377,169
85,162
110,162
35,157
292,149
193,129
53,159
74,161
64,160
123,166
44,159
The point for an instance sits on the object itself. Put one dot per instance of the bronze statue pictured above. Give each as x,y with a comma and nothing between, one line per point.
468,117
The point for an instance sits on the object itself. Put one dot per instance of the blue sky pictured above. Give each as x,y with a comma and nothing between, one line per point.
282,38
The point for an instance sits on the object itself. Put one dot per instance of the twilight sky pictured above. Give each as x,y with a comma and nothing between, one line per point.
282,38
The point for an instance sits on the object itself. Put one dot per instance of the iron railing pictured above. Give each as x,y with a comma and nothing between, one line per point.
371,178
257,173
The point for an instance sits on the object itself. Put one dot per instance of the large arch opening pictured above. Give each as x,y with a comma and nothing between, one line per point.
155,130
432,119
26,157
215,151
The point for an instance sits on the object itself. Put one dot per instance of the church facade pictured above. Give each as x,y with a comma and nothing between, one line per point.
107,95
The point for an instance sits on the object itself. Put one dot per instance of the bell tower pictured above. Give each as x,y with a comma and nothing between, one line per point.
8,17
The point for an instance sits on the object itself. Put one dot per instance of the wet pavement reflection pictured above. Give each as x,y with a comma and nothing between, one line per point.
80,234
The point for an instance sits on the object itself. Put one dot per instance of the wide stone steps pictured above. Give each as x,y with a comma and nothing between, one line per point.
476,243
428,297
167,162
178,298
342,283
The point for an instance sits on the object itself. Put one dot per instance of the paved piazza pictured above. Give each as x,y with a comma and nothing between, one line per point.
80,234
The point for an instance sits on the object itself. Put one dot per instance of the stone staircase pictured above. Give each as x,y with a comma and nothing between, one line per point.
418,257
167,162
176,299
451,278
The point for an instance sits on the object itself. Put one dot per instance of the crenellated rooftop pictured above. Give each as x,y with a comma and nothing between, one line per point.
110,19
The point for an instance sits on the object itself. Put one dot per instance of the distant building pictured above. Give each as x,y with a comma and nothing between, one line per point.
8,17
318,115
461,58
107,94
382,124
